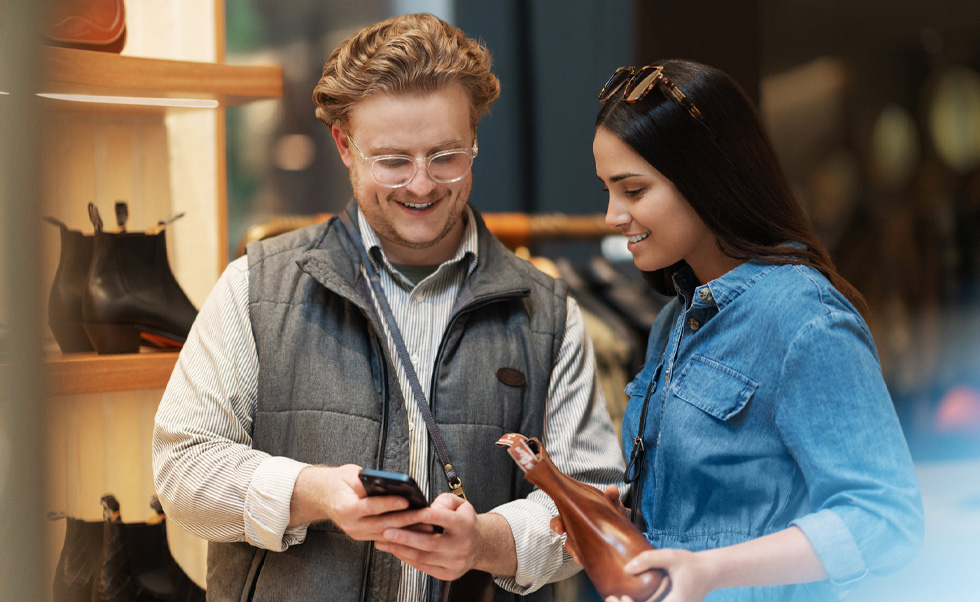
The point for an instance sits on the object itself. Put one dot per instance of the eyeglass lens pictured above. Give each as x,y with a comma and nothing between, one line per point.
444,167
615,83
642,83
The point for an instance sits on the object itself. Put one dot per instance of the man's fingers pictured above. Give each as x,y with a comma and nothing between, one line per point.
448,501
558,525
382,504
413,538
445,568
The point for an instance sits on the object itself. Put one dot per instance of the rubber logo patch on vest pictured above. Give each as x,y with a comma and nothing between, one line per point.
512,377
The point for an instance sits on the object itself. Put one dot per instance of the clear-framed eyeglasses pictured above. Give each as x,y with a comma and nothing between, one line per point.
395,171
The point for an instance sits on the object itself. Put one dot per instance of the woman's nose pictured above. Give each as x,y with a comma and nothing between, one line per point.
616,214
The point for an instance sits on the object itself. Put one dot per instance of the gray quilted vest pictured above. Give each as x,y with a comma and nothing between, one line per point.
327,394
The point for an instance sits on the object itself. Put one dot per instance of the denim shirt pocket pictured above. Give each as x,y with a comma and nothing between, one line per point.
714,388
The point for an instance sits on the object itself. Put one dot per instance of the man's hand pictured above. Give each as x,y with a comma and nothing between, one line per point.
468,541
336,494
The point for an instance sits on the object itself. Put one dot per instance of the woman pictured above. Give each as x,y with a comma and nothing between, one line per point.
766,458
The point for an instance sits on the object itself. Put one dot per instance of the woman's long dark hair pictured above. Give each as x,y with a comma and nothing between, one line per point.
725,167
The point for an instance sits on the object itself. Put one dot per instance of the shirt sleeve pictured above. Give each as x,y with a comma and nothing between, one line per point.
209,479
581,442
837,419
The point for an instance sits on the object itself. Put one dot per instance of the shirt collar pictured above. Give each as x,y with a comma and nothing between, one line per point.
722,290
467,251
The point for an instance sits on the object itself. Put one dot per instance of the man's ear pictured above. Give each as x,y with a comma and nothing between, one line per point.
343,145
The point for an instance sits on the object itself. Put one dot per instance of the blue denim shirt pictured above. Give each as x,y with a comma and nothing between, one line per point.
768,409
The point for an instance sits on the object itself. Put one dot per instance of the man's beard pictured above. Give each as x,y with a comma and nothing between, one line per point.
386,230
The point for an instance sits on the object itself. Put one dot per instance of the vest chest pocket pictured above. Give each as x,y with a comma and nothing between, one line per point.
714,388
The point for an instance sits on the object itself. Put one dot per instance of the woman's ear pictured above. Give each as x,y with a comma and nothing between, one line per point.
343,144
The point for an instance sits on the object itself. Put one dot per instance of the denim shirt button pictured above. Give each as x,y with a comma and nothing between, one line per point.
706,295
693,324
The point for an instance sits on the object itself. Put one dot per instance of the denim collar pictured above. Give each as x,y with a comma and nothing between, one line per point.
722,290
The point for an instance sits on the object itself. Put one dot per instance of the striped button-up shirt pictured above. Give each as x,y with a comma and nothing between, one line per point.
222,489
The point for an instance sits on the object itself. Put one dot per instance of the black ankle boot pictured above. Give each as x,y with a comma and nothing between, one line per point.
78,564
115,581
65,299
137,565
132,293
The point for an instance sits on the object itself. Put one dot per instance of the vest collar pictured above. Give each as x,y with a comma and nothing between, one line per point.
332,261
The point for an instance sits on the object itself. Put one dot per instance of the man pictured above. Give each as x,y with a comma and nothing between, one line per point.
289,382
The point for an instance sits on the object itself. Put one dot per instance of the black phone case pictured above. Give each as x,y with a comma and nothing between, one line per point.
379,482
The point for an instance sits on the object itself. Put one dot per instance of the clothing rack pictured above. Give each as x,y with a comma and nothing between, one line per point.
515,230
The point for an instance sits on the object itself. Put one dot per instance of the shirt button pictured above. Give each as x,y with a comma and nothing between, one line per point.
415,359
706,295
693,324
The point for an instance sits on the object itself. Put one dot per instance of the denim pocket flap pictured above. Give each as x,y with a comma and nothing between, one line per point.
637,386
714,387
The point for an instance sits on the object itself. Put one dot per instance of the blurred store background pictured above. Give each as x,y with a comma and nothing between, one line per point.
873,105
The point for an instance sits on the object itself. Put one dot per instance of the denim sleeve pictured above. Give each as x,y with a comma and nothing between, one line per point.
837,419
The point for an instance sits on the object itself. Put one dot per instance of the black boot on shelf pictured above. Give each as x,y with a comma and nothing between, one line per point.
115,581
137,565
65,299
78,564
156,568
132,294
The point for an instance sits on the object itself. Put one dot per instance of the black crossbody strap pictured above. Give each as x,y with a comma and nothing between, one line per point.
634,468
455,484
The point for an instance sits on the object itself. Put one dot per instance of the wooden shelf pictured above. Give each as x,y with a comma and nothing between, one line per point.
69,71
80,373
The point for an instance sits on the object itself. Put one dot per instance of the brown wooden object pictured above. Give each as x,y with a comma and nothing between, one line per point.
603,537
87,24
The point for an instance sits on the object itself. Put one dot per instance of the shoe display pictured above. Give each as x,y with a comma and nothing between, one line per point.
65,299
131,294
603,536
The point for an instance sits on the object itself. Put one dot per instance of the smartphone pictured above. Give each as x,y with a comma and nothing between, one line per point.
382,482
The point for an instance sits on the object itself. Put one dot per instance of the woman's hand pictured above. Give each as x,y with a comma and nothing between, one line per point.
690,574
612,493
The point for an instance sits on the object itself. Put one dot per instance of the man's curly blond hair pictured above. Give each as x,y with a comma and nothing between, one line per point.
408,54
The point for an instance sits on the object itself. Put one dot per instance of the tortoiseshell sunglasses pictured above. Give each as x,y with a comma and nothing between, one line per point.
636,84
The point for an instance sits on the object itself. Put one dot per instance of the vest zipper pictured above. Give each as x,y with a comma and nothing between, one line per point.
471,306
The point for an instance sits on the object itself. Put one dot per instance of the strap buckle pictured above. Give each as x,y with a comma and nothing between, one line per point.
455,484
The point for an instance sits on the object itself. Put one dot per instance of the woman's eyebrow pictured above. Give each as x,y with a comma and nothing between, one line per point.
624,176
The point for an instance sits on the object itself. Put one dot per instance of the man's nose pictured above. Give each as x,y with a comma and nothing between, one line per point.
422,183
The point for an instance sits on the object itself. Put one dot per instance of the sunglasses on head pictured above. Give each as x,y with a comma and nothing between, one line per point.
635,84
